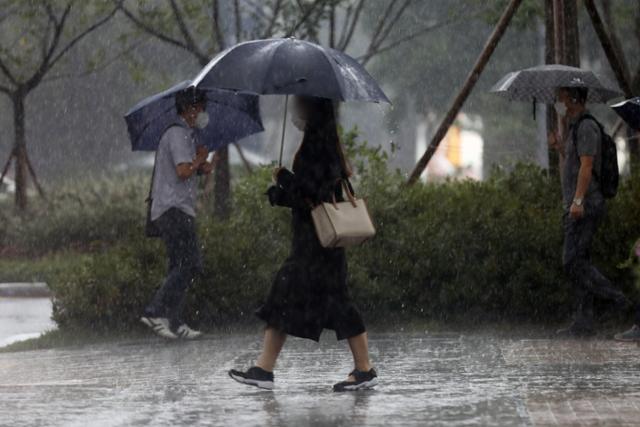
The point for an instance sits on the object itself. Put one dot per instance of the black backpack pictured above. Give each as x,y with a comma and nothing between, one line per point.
608,176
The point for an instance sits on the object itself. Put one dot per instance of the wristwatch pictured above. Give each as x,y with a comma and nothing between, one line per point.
578,201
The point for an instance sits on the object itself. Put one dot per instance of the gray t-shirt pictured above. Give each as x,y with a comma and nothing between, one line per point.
588,143
176,146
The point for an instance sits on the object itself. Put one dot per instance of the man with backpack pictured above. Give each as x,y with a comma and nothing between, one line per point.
589,175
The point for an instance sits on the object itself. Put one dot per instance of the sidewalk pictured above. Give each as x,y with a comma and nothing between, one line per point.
425,380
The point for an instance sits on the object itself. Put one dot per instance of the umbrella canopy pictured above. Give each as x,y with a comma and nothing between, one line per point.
290,67
232,117
538,84
629,111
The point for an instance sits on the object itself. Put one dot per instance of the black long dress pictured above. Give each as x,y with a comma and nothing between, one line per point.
310,291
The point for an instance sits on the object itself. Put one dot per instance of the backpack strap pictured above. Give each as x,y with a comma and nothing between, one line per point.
574,136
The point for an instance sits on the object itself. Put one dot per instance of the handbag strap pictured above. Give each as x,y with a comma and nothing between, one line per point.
347,190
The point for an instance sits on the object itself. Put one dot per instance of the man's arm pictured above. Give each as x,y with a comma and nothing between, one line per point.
186,170
588,138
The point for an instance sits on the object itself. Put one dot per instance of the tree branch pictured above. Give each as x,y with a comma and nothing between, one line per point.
304,17
150,30
100,67
238,20
369,55
217,30
391,25
50,64
268,32
381,20
345,39
189,42
59,25
5,70
5,89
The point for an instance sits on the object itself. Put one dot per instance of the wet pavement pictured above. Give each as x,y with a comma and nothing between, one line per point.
426,379
23,318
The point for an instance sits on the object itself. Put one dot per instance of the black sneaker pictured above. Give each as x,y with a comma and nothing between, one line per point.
632,335
363,381
576,330
254,376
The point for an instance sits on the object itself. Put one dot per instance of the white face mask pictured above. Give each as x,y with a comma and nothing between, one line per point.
202,120
560,108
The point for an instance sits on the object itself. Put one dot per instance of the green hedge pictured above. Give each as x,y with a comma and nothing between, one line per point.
452,250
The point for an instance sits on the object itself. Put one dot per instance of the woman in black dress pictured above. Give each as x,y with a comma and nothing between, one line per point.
310,291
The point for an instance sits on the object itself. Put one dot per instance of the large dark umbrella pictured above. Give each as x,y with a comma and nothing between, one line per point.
539,84
290,67
232,116
629,111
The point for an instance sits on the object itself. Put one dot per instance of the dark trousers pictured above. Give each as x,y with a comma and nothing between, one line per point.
588,282
178,231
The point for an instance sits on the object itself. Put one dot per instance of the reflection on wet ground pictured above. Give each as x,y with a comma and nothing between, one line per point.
425,380
23,318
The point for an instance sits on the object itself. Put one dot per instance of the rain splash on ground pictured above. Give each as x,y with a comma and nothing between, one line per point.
426,379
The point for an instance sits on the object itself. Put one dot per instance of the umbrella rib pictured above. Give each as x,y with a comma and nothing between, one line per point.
335,69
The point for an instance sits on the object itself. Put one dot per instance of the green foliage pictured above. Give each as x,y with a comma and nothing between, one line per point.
84,215
456,249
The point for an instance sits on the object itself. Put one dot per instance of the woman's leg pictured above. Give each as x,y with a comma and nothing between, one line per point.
360,350
273,342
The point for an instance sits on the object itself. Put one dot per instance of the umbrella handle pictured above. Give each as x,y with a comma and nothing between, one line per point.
284,126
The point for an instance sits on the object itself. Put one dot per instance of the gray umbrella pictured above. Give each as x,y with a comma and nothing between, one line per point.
538,84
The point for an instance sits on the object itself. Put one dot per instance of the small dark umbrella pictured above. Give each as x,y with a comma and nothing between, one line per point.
629,111
290,67
232,117
539,84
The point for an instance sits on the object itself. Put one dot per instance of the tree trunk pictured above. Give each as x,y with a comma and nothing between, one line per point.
550,54
222,190
571,35
20,151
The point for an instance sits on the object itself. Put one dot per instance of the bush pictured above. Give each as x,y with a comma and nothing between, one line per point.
455,249
81,215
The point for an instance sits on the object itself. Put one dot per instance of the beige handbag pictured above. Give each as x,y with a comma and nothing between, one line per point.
342,224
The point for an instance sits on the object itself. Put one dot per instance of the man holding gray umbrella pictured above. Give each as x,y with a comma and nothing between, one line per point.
589,174
583,196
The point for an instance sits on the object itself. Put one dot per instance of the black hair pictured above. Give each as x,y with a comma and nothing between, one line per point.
578,94
321,120
188,97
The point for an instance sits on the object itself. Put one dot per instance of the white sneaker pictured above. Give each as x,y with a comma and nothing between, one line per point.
185,332
159,325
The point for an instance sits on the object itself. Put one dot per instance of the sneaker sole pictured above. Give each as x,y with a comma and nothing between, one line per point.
266,385
621,339
367,385
158,328
189,336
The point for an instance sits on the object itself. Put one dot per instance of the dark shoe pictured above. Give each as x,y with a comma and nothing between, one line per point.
632,335
363,381
576,330
254,376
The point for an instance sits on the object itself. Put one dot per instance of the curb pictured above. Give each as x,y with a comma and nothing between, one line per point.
25,290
